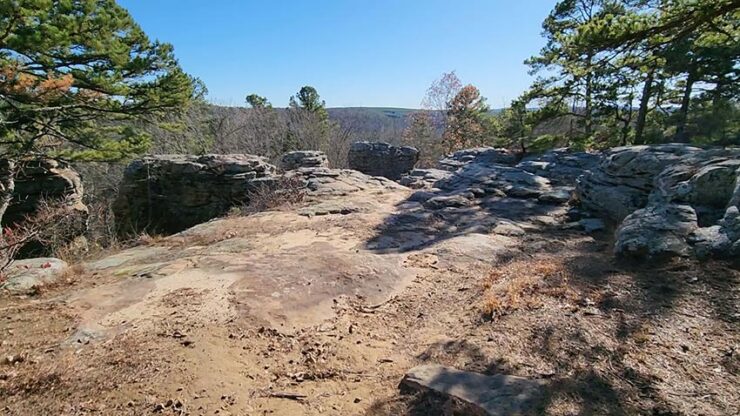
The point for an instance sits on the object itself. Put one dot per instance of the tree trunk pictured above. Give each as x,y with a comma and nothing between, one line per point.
683,112
588,128
647,90
7,185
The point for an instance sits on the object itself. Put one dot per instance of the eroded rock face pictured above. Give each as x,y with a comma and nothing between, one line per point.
624,179
669,200
56,183
304,159
382,159
169,193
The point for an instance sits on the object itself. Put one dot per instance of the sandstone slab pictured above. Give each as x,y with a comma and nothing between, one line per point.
498,395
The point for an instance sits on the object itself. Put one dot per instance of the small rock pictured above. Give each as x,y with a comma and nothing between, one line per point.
455,201
497,395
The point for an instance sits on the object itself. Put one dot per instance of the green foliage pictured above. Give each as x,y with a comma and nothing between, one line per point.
308,99
258,102
637,71
73,71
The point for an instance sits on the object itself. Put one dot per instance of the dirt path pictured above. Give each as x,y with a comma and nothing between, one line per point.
284,314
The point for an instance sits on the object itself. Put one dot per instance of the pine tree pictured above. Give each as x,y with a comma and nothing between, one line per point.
74,77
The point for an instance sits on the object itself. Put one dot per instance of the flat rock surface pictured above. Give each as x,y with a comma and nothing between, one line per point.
498,395
288,314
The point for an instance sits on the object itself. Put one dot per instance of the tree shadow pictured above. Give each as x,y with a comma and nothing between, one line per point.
473,199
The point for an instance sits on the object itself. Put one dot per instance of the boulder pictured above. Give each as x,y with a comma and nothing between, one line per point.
671,200
169,193
705,180
322,182
446,201
624,179
23,276
660,231
304,159
382,159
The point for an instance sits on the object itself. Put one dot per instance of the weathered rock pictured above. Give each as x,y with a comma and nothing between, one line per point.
561,166
556,196
705,180
304,159
498,395
382,159
338,182
424,178
481,155
624,179
445,201
710,242
24,275
475,175
656,231
54,182
169,193
681,189
329,207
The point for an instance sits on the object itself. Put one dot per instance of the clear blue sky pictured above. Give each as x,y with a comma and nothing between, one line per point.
375,53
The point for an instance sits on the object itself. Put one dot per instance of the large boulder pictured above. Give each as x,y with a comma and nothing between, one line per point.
53,183
624,179
382,159
169,193
304,159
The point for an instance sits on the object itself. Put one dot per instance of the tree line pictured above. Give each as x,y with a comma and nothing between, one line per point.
637,71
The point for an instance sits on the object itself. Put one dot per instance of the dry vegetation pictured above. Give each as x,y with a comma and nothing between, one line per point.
523,284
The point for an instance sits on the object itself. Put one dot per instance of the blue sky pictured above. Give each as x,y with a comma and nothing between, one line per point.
375,53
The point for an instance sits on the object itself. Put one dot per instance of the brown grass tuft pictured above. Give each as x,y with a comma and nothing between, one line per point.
525,284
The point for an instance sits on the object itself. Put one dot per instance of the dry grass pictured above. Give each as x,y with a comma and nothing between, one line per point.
525,284
288,191
74,382
145,239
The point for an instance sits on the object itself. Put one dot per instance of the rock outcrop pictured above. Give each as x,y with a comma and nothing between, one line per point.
382,159
304,159
561,166
624,179
480,155
668,200
169,193
49,181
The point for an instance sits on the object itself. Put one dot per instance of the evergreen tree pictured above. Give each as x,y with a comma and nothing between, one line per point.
258,101
75,78
71,71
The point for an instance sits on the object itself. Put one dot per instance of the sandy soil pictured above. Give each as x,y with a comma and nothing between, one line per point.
283,314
